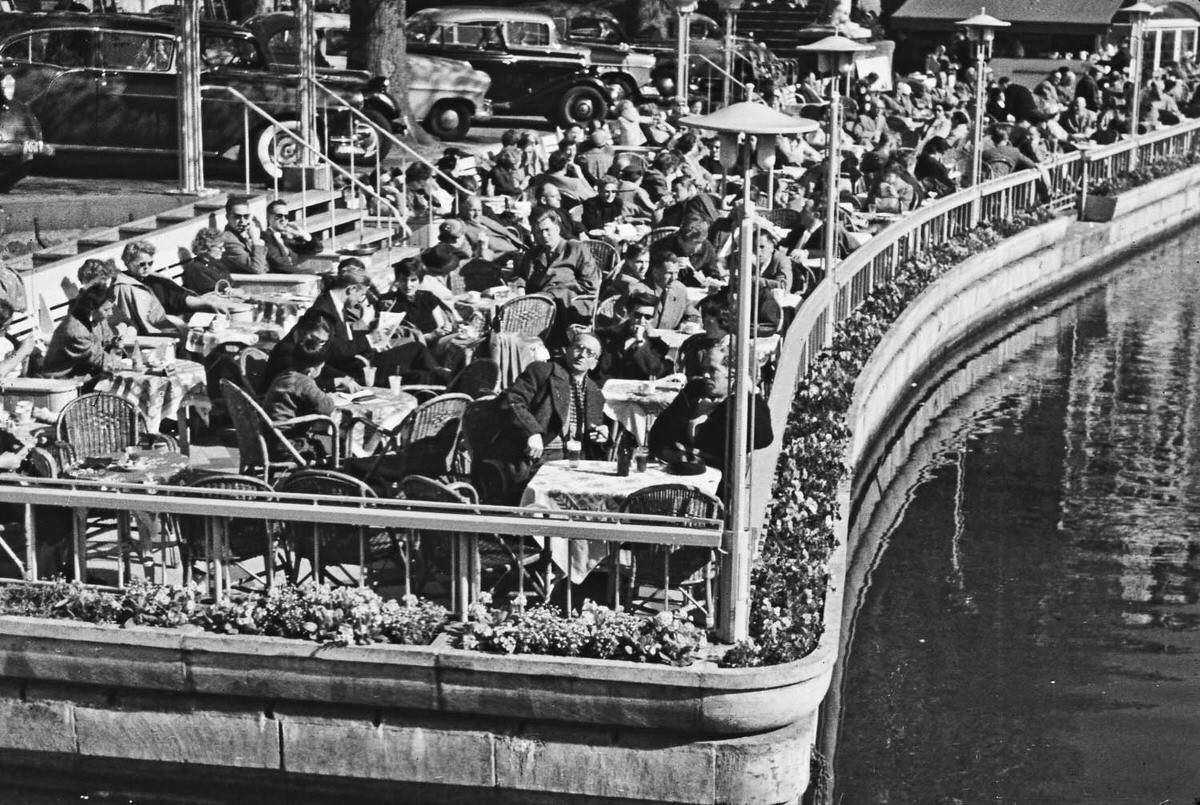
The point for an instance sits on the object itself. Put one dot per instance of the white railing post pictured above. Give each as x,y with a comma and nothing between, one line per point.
191,148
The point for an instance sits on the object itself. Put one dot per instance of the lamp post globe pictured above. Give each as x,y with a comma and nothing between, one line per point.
981,30
1138,14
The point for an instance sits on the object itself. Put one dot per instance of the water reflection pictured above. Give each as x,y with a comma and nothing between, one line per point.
1026,630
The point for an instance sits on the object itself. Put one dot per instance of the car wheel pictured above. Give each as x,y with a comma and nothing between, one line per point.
618,89
449,120
275,150
578,105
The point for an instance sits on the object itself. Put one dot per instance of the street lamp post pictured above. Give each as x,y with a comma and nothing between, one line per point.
835,56
308,77
1138,13
731,8
191,149
747,133
981,30
684,9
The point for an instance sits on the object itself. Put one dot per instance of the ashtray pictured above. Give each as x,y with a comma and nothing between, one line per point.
361,250
686,468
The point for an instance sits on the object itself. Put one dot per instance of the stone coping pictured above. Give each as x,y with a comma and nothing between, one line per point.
700,698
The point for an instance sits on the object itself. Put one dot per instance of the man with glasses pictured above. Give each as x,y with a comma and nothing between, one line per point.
549,403
150,302
287,245
630,351
245,249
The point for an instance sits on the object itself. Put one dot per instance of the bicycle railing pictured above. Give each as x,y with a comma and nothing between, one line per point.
357,114
396,220
1061,184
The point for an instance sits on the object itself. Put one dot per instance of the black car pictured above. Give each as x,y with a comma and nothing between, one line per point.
107,83
532,71
20,136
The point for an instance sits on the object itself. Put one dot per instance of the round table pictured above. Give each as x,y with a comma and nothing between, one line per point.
384,409
635,404
159,393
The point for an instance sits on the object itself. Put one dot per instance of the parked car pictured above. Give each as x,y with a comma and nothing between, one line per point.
625,68
446,95
532,71
107,82
20,136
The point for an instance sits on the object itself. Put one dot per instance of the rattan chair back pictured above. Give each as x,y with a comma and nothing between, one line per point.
530,315
97,424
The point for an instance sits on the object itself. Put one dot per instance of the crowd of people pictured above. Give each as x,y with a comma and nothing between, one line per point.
650,188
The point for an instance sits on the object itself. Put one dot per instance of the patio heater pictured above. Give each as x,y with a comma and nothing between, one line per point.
1138,14
981,30
187,78
747,134
835,56
684,9
731,8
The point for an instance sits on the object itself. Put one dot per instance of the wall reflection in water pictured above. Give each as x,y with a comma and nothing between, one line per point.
1023,602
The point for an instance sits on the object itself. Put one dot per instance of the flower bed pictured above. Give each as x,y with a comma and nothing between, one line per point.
343,616
1146,172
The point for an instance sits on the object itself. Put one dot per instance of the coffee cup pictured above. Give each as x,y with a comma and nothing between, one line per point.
369,375
395,382
573,450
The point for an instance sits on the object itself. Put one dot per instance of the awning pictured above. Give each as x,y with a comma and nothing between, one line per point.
1077,16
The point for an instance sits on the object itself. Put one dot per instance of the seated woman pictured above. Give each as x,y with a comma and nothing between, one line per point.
932,171
294,391
436,322
14,362
693,426
84,344
205,271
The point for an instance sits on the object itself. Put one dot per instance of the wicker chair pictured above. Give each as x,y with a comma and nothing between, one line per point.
606,312
604,255
474,462
475,562
252,364
219,541
98,424
530,315
257,434
422,443
325,544
783,217
660,233
663,568
478,379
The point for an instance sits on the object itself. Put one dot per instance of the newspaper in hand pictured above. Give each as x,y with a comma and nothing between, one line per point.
381,337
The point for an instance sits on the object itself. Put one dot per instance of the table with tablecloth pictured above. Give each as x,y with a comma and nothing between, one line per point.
383,408
159,393
635,404
595,486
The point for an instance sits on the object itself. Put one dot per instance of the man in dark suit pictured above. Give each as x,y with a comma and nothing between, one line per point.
547,405
689,203
245,251
556,266
287,244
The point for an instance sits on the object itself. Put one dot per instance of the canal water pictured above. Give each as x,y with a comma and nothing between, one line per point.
1027,629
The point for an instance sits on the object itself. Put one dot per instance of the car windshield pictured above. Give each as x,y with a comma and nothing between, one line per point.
527,34
597,30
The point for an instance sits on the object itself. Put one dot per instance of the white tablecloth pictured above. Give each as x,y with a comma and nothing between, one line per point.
595,486
635,404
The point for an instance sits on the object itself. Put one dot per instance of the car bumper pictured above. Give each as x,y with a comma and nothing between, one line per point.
24,149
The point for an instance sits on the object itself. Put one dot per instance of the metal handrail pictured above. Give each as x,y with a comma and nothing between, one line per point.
250,105
358,113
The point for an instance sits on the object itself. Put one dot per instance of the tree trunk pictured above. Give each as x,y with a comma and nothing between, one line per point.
377,45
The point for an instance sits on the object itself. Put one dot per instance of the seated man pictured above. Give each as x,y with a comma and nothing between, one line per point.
549,403
295,391
693,427
671,296
606,208
690,202
691,243
245,249
549,197
716,317
630,352
556,266
562,172
287,245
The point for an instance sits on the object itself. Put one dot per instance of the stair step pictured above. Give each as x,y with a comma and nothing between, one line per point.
135,229
340,220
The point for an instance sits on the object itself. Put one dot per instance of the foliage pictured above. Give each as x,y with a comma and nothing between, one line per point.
789,581
597,632
1146,171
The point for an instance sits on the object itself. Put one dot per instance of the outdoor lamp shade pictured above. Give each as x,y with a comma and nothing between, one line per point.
764,151
835,54
683,6
729,6
982,27
750,117
1140,10
729,149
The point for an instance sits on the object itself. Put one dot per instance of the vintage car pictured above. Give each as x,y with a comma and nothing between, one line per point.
107,83
625,68
446,95
20,136
532,71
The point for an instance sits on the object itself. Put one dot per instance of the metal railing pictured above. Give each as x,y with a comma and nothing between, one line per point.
408,521
394,218
1061,184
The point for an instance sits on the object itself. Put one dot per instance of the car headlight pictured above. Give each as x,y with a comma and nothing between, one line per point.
8,88
356,99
